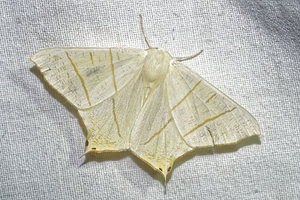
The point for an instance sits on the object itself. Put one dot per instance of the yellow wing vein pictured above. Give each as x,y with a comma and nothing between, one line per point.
80,78
113,70
211,135
210,98
185,96
91,56
115,117
208,120
158,132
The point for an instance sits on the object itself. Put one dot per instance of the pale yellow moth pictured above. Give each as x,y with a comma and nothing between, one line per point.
145,101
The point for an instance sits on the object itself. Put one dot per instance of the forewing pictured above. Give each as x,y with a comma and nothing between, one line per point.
155,137
203,114
87,76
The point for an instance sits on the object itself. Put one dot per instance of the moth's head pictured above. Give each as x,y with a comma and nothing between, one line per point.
156,64
158,54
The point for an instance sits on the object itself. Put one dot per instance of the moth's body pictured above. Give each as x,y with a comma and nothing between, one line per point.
156,65
155,68
144,101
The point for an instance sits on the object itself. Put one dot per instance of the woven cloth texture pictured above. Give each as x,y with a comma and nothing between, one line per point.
251,53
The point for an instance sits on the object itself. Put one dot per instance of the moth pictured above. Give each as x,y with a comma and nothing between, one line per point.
145,101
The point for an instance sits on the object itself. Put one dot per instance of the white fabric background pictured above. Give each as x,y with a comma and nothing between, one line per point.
251,53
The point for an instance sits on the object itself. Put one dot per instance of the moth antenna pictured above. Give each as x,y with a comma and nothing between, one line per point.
143,31
188,57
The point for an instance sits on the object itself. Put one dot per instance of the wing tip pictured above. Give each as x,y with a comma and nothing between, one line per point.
40,51
37,55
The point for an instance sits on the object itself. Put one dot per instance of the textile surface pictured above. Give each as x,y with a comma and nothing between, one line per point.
251,53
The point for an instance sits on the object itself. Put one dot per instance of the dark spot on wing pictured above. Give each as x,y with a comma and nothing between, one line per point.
94,70
169,169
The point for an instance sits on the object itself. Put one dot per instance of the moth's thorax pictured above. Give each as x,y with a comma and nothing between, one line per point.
156,65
